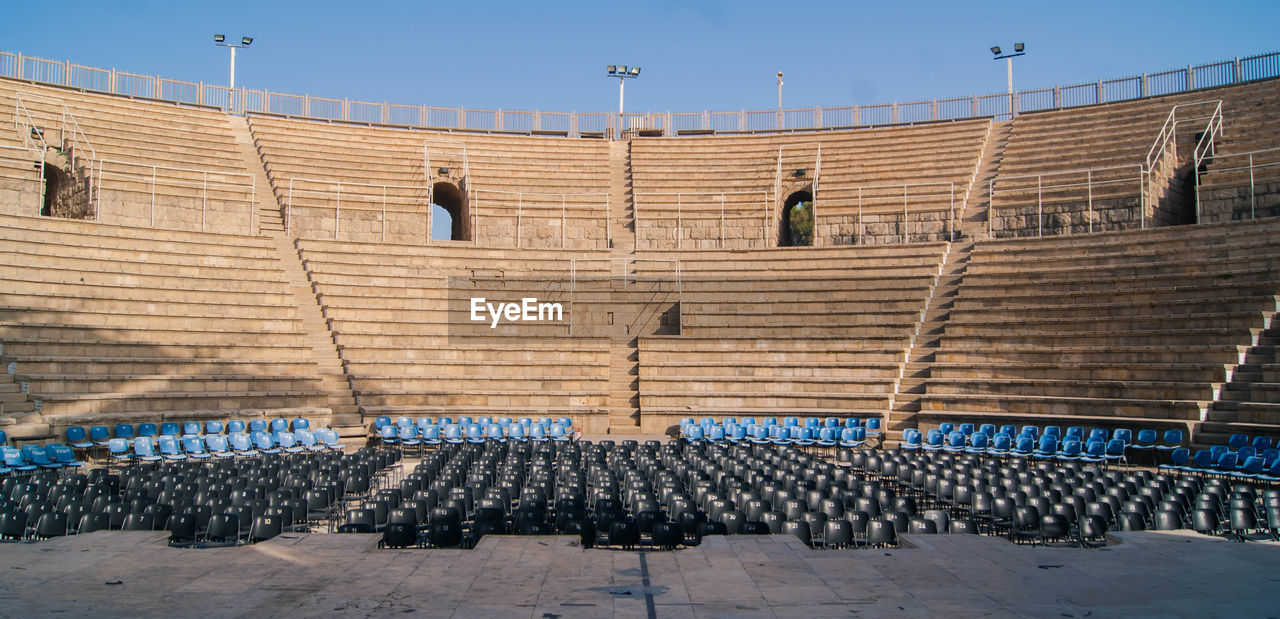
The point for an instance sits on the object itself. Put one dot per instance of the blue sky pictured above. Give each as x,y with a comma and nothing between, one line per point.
695,54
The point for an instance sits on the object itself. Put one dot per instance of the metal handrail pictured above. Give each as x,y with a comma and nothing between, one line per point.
154,179
242,101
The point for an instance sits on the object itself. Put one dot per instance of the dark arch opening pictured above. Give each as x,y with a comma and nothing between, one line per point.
448,202
55,182
796,226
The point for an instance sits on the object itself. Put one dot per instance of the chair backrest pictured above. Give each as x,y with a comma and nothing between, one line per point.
191,428
213,427
193,444
257,425
301,423
235,426
279,424
1172,438
76,434
148,429
143,448
170,428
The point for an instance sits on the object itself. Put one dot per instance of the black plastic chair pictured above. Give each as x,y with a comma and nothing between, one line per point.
922,526
881,533
800,529
93,521
625,534
962,526
837,533
399,535
51,524
667,535
182,530
444,534
265,528
224,530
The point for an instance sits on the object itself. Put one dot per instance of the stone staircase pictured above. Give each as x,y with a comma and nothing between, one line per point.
622,226
624,385
269,218
347,420
18,416
929,333
1248,403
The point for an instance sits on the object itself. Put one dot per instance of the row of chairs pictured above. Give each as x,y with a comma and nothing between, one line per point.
222,446
1049,447
1219,460
849,432
97,436
220,502
31,458
419,437
527,423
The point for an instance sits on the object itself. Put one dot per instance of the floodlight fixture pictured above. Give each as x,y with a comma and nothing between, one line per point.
1019,49
221,41
622,72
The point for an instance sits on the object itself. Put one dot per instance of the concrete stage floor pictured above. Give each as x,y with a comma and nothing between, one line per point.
116,573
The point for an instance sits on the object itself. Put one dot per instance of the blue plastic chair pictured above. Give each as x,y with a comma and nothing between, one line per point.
257,425
191,428
390,435
1236,441
287,442
758,435
65,457
1172,440
979,443
212,427
264,443
144,450
235,426
1071,449
218,446
332,441
78,438
1000,445
169,448
912,439
194,447
300,423
242,444
1023,446
118,450
148,430
857,437
124,430
955,443
873,428
933,440
1177,460
693,433
170,428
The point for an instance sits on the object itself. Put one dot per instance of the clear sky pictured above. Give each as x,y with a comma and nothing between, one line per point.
695,54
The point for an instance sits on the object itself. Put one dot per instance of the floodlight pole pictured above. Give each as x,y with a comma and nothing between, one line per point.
220,41
778,122
622,72
1008,58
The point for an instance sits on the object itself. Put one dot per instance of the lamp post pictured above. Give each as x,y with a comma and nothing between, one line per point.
220,40
778,123
1019,49
622,72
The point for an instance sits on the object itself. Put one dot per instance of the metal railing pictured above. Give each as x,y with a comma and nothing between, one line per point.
183,178
544,205
1251,161
577,124
24,160
1021,185
887,198
719,206
358,199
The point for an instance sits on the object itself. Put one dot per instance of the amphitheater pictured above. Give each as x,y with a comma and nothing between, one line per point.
1107,257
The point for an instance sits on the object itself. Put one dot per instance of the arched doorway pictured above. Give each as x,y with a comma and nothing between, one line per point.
795,227
450,220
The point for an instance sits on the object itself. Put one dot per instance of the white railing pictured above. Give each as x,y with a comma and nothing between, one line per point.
1252,161
695,206
543,205
577,124
1079,180
154,177
360,197
887,198
22,158
1206,148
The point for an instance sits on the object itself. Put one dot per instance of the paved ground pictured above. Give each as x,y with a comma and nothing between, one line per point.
1146,574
